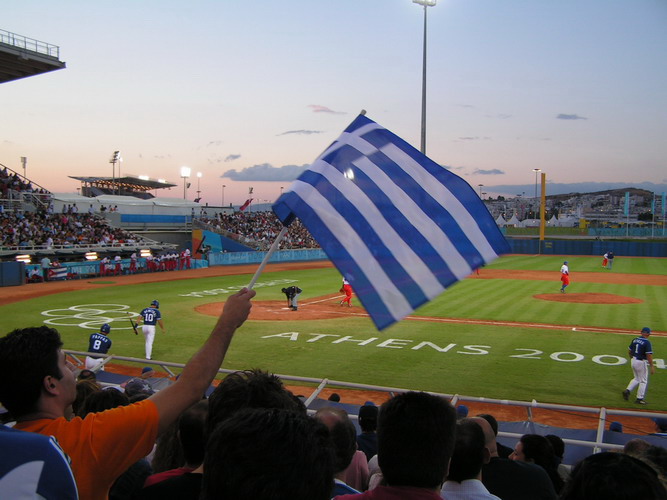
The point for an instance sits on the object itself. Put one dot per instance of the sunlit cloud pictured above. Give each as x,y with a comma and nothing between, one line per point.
563,116
302,132
493,171
266,172
318,108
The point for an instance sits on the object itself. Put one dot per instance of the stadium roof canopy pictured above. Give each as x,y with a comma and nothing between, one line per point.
128,182
21,57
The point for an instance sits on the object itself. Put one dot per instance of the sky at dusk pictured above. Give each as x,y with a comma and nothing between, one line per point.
250,92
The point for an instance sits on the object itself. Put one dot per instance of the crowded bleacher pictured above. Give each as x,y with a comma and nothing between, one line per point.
260,229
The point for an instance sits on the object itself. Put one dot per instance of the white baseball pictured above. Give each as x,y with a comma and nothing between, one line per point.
574,329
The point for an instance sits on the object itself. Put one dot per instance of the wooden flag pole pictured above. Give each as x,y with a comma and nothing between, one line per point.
274,247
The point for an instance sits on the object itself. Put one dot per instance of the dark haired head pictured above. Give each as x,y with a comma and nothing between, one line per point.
249,389
103,400
468,456
416,433
84,388
27,356
368,418
191,425
613,476
266,454
491,420
557,444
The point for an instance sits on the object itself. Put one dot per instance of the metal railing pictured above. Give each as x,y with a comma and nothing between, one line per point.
26,43
321,383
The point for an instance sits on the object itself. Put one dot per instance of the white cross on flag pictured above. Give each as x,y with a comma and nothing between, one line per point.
397,225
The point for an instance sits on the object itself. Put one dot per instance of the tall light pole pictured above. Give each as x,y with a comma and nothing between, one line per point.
115,158
480,189
185,173
198,179
426,4
223,196
281,190
537,171
24,162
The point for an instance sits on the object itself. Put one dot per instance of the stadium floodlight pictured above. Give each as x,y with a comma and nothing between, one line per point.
198,191
185,173
425,4
115,158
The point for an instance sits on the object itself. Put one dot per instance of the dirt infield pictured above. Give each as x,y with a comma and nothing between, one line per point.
588,298
328,307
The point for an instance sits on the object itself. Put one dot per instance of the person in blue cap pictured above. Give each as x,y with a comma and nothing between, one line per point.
641,356
150,317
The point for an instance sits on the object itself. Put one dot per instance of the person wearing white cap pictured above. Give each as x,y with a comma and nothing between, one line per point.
641,355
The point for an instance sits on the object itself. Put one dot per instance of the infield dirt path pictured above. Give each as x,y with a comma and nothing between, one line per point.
267,311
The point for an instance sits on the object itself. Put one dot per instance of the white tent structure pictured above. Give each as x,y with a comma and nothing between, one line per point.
514,221
500,221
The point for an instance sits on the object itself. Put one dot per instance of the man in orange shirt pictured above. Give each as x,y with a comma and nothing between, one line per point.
37,386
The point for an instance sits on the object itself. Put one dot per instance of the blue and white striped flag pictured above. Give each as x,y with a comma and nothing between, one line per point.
398,226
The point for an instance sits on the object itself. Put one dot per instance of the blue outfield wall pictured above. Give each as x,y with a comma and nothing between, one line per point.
581,247
234,258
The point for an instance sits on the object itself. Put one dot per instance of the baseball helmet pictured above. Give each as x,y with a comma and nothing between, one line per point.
646,330
565,262
156,304
105,328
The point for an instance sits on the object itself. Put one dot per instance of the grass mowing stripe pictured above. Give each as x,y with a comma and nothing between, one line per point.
519,363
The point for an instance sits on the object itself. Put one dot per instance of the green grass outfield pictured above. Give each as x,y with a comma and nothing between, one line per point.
555,365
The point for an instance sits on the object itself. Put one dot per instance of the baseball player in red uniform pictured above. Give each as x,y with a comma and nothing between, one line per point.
347,288
564,276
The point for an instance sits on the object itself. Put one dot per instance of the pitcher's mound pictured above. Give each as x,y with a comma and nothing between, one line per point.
588,298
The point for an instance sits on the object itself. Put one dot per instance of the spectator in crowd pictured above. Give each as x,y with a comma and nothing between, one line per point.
192,441
416,433
636,447
502,450
268,454
86,374
40,397
34,466
461,411
660,426
465,470
510,479
140,384
367,441
343,438
615,427
334,397
239,390
536,449
83,389
613,476
558,446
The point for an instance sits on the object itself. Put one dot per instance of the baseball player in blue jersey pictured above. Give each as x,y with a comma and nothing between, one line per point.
150,317
641,355
100,344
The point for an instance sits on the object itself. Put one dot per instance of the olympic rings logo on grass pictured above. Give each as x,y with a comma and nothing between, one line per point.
90,316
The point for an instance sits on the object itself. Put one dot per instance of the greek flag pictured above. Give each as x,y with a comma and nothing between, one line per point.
398,226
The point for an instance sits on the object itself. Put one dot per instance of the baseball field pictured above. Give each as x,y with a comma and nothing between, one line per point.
506,333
